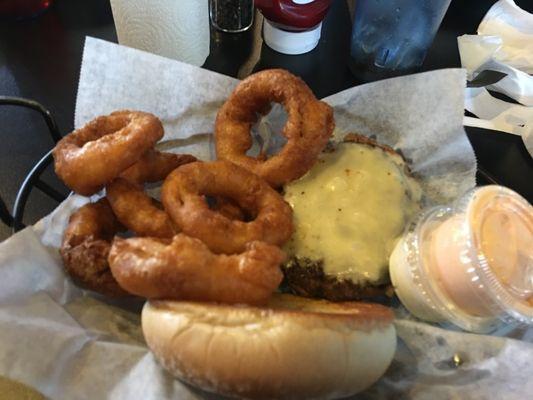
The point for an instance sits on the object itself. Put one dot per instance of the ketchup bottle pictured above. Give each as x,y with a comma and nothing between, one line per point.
292,26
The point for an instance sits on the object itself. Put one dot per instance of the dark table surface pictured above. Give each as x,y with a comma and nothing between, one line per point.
40,60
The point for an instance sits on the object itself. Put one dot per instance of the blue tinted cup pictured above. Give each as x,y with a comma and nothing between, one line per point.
391,37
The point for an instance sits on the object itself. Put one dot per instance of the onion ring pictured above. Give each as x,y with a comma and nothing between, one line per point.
185,269
308,128
145,216
86,245
182,197
228,208
154,166
92,156
137,211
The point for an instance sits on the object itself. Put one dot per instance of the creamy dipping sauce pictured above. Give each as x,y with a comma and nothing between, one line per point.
470,263
349,210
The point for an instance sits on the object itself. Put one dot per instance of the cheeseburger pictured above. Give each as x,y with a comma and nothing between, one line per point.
349,211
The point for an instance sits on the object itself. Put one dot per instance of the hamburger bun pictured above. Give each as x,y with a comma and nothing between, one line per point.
292,348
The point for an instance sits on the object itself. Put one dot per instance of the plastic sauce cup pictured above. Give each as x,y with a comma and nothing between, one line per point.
470,263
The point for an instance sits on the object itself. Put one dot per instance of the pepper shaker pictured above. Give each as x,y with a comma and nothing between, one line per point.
231,15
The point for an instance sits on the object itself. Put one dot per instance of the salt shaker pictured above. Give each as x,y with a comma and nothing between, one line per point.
231,15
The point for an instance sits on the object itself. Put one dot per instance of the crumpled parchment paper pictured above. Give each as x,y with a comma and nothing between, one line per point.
70,344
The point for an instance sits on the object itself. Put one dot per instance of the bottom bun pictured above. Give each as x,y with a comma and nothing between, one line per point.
292,348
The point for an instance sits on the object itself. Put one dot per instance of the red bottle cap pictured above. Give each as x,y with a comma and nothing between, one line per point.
294,15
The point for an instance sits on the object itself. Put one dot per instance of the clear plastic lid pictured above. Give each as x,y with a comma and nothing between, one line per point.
431,289
499,225
485,270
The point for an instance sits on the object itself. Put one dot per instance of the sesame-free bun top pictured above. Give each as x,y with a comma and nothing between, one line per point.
292,348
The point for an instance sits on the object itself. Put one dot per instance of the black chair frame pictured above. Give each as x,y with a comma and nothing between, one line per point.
33,179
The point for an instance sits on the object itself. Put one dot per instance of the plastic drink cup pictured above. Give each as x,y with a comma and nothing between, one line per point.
391,37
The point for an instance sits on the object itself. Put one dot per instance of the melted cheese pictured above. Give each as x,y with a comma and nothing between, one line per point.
350,209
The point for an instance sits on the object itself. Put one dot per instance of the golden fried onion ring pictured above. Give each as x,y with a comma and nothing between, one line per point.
95,154
308,128
183,198
154,166
133,207
145,216
86,245
185,269
137,211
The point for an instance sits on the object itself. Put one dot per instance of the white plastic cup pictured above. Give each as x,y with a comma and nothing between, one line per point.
470,263
169,28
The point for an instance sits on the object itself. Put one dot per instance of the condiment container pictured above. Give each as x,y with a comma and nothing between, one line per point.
231,16
470,263
292,26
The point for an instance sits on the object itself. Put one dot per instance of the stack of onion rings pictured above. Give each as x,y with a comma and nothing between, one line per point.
216,235
308,128
120,144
